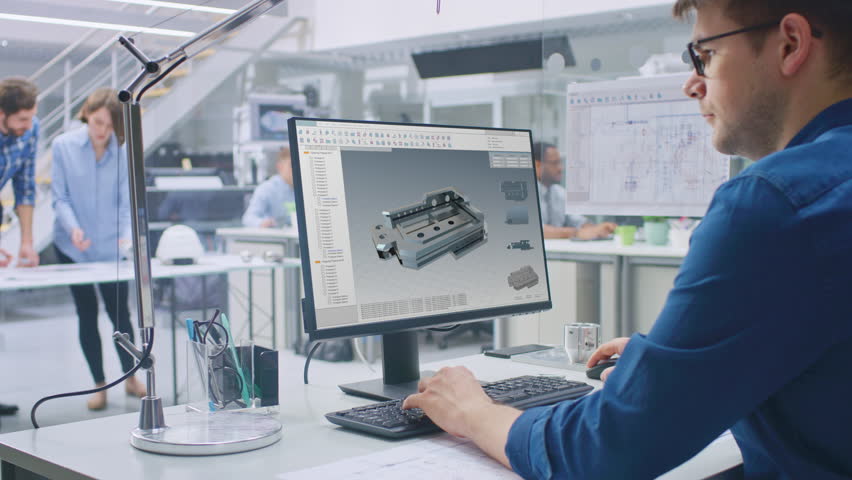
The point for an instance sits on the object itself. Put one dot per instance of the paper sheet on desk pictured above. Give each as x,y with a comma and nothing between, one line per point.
444,457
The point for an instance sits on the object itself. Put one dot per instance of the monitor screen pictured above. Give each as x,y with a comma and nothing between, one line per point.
408,225
268,115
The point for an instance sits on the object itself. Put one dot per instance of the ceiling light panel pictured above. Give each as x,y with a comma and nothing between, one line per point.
104,26
177,6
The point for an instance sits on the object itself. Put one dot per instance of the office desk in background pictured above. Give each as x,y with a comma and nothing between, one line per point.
618,293
101,448
92,273
284,241
615,299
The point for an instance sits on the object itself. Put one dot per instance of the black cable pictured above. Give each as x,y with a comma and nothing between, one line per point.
308,360
210,324
160,77
444,329
145,355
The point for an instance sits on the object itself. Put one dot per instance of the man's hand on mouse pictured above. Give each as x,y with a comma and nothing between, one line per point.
605,352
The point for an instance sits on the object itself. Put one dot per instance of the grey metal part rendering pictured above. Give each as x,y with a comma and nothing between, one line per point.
525,277
520,245
514,190
518,215
444,222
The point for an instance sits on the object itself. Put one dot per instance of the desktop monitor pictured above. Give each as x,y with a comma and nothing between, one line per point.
409,226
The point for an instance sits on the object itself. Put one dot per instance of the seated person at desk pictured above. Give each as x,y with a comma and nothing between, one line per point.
268,206
92,203
756,335
551,196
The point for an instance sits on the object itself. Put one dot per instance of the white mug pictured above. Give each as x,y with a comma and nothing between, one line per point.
581,340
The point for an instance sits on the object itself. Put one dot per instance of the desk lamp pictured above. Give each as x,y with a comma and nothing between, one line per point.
196,434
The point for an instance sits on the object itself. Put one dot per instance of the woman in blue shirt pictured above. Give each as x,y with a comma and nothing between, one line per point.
92,204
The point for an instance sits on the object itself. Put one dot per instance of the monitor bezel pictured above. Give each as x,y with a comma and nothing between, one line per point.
402,324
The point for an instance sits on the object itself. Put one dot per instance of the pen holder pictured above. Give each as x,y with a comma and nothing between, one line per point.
225,377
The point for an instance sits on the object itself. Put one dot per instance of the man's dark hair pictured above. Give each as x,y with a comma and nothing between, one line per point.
16,94
539,148
832,17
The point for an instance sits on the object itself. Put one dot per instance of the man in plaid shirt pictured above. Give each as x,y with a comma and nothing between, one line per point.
18,139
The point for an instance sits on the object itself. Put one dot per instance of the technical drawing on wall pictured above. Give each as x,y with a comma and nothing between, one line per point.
444,222
639,147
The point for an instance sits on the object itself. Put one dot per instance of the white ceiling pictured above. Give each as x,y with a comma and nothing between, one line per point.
19,39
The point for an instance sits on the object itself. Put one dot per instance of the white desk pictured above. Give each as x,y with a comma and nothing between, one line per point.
268,235
101,448
46,276
622,258
102,272
288,238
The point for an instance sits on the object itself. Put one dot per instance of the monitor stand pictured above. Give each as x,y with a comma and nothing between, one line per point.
400,368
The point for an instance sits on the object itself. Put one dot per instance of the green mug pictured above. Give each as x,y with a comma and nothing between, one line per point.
625,234
656,233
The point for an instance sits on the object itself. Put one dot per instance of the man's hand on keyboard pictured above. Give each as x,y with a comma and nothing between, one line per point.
613,347
455,401
448,398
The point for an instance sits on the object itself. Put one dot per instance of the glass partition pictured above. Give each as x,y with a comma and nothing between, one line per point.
215,146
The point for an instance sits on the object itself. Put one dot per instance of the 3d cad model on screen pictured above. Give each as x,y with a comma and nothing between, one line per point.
525,277
516,191
417,234
519,245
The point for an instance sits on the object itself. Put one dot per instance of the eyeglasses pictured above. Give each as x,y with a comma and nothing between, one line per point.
225,382
700,57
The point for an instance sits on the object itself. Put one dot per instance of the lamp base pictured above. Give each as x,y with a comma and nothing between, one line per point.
216,433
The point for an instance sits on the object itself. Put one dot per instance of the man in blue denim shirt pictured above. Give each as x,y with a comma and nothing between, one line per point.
18,139
271,202
756,334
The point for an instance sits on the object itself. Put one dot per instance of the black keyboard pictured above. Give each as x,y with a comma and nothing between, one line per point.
388,419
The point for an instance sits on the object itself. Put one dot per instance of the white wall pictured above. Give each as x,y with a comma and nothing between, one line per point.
345,23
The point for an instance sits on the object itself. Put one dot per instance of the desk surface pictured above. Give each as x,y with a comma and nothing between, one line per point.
101,449
272,234
600,247
99,272
610,247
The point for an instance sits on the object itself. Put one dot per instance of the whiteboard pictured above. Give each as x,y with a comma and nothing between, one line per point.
639,146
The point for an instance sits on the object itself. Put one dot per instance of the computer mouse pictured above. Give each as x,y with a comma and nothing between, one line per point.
595,372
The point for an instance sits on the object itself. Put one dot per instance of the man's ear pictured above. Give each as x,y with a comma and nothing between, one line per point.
796,44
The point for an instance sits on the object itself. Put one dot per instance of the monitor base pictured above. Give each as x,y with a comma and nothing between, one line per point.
379,390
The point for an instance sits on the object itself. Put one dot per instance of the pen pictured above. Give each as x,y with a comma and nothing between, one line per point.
192,332
190,329
244,389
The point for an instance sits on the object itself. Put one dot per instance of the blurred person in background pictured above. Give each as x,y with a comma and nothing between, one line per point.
556,222
92,203
270,205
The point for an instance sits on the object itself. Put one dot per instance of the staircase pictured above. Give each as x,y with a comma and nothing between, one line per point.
163,107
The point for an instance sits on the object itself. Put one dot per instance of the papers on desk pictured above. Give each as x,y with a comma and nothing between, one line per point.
440,457
554,358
